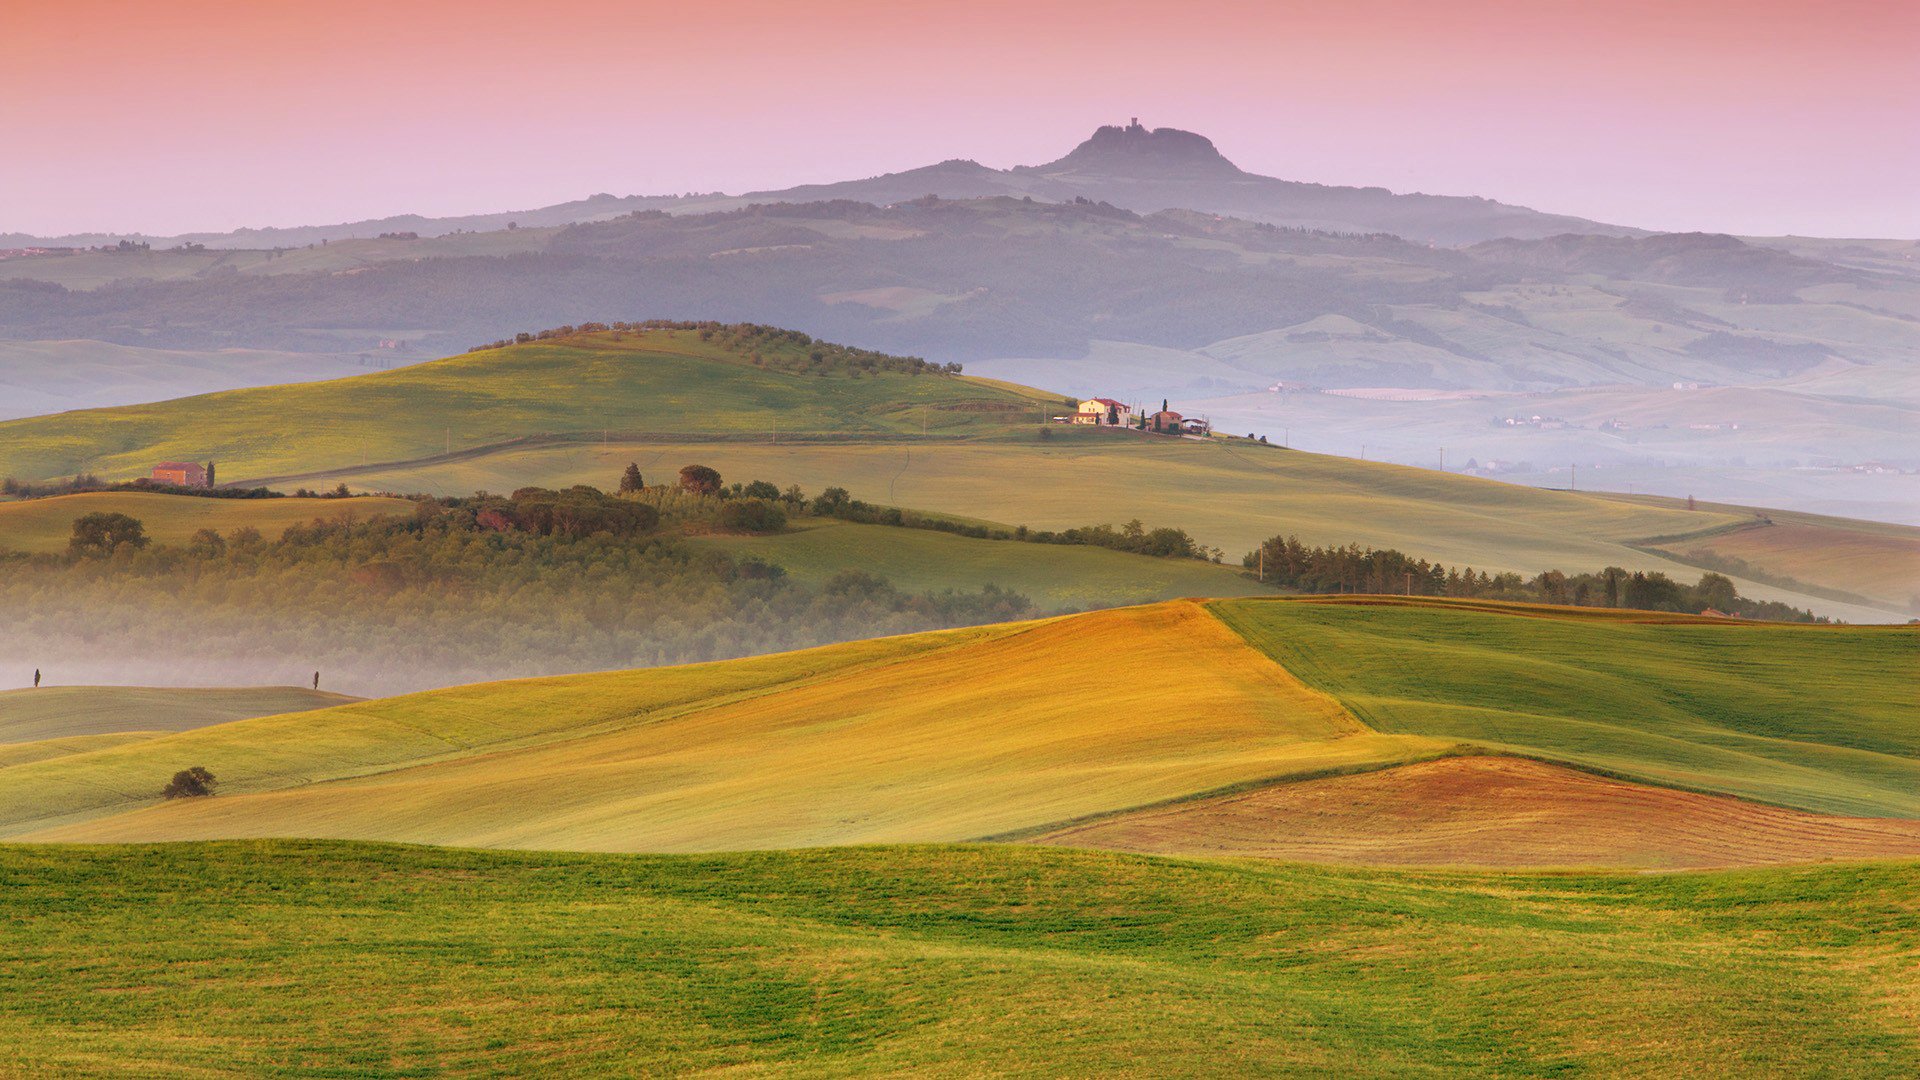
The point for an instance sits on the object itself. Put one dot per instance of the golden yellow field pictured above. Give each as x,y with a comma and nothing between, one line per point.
1074,723
931,737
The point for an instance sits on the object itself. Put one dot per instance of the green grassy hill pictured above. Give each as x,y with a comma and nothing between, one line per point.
346,959
53,712
1014,729
1821,718
45,525
662,381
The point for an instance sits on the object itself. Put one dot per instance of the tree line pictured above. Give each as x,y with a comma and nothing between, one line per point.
1286,562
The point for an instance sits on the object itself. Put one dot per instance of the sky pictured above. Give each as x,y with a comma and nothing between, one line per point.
1754,117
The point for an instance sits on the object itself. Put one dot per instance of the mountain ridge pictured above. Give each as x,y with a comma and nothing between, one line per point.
1133,167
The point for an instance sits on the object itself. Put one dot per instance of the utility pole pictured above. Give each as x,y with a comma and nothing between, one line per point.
1409,583
449,438
1573,482
1263,562
1443,459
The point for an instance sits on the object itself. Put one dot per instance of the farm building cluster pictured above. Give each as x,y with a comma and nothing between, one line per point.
183,474
1106,412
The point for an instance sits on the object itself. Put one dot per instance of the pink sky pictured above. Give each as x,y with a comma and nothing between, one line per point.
1763,116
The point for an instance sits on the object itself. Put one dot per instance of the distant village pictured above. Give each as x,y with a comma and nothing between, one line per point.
1106,412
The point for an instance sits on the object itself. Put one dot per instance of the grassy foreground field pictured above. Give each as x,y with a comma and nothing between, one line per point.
1815,717
337,959
44,525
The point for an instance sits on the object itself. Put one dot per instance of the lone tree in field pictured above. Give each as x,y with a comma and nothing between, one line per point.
630,480
699,480
103,533
190,783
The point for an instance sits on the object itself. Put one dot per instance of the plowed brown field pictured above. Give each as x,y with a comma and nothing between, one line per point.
1493,812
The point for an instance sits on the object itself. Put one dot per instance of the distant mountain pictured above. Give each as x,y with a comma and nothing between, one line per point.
1708,259
1132,167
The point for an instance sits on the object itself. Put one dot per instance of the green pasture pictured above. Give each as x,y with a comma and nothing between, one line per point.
1815,717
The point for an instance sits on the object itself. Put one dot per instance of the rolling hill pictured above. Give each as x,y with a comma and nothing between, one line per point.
303,957
1094,724
669,381
49,722
53,711
577,409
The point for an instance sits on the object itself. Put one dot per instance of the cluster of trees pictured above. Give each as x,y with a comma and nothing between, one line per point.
439,597
1133,537
1285,561
578,512
765,346
89,482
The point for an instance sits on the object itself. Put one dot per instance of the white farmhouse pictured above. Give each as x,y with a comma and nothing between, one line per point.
1102,410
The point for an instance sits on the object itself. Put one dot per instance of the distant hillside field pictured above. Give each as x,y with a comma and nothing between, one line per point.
660,381
1090,729
52,711
1054,576
44,525
577,410
938,961
1225,493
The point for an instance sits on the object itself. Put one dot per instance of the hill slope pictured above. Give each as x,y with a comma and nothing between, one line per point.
52,712
1020,729
652,381
941,961
1820,718
1227,494
927,737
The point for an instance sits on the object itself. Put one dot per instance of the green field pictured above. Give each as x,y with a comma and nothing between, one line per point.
342,959
1820,718
1055,576
657,382
45,525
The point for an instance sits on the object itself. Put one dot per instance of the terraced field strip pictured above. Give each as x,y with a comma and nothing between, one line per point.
45,525
1488,811
51,712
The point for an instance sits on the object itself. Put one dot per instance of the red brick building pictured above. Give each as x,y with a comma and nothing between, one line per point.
181,473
